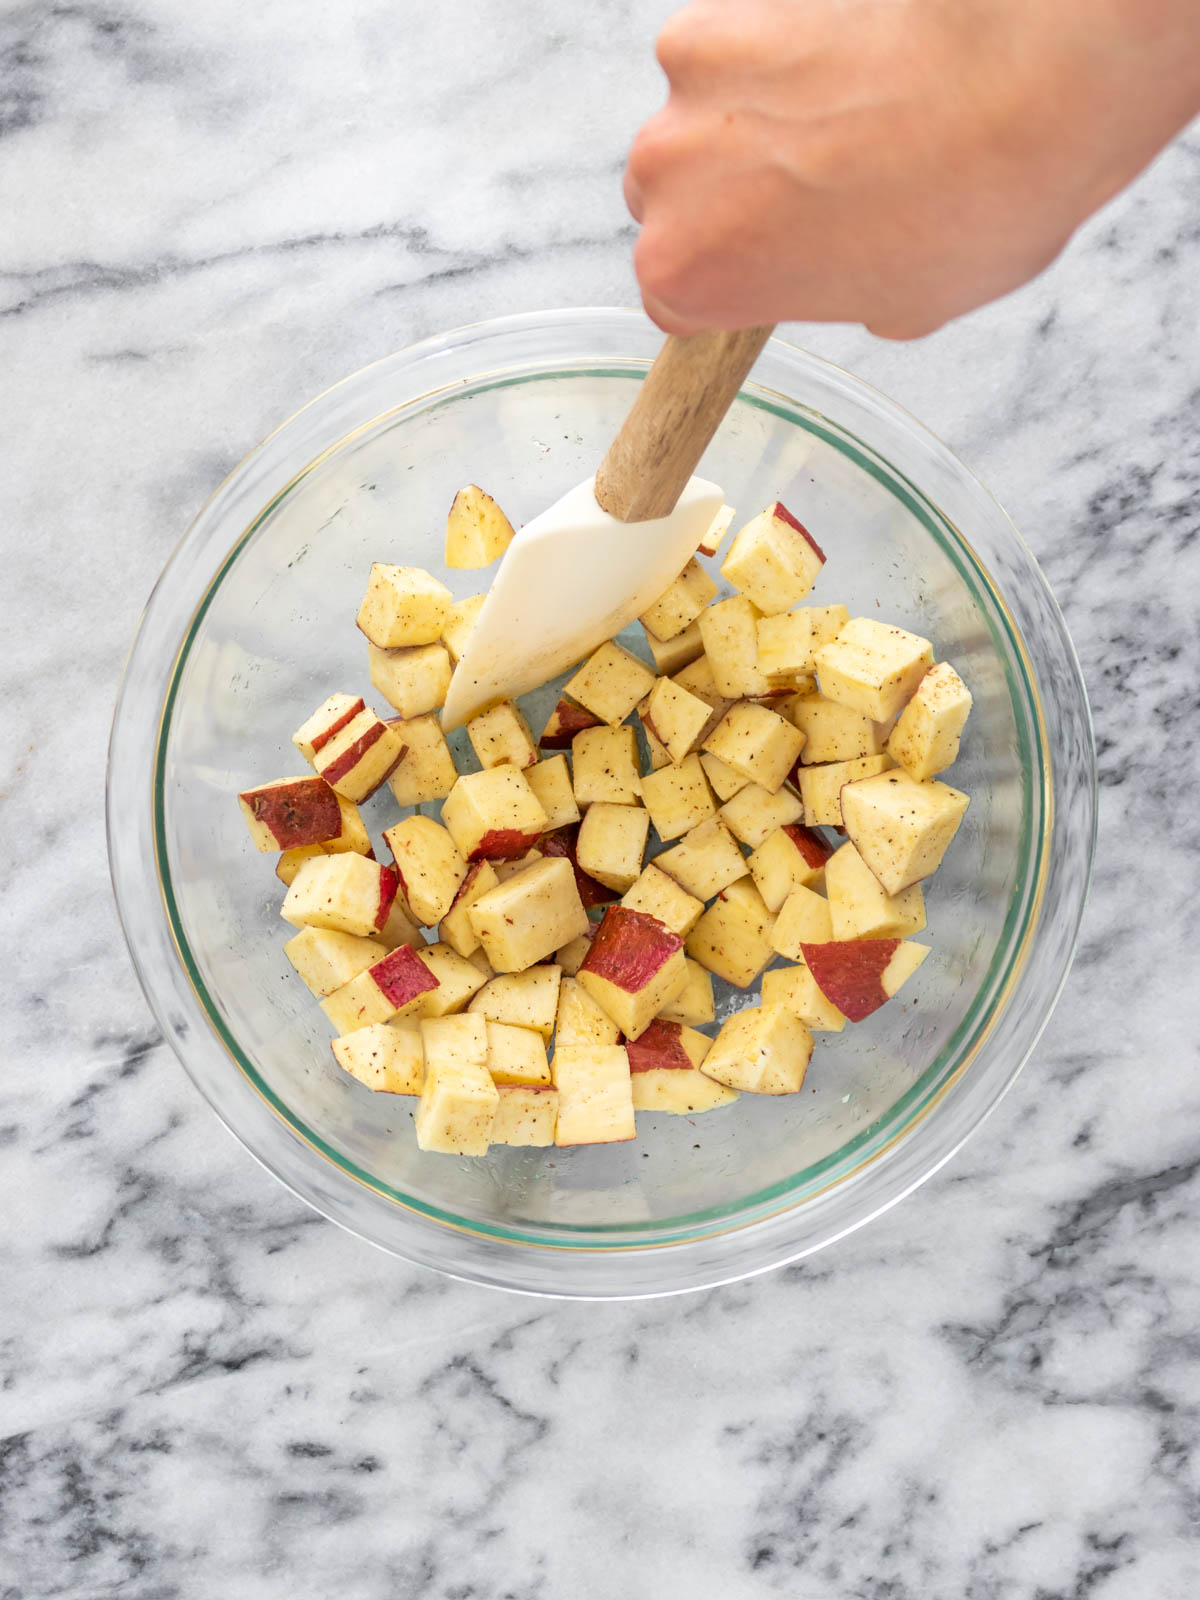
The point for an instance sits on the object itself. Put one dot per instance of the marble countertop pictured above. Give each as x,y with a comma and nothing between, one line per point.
210,213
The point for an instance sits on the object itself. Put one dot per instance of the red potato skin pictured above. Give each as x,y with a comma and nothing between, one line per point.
350,757
401,976
629,948
565,721
472,873
810,844
503,844
659,1046
561,842
784,515
305,812
336,726
389,886
849,973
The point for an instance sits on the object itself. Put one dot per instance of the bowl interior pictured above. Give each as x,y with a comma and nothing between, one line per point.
275,634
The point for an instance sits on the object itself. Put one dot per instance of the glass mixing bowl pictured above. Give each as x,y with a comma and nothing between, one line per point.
252,624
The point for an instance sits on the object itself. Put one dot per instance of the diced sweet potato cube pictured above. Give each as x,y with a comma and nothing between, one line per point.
834,732
610,683
563,842
348,893
326,959
657,893
521,922
550,781
477,531
694,1003
669,655
667,1046
872,667
762,1050
580,1019
635,966
678,798
685,1094
773,560
565,721
722,779
460,625
789,858
821,787
595,1098
680,603
605,767
926,737
785,649
715,533
403,606
733,937
901,828
455,927
705,861
803,919
729,630
527,1115
796,988
570,957
859,905
359,756
754,812
611,843
501,734
426,771
493,815
675,717
526,999
458,1098
330,717
394,986
430,865
516,1055
292,811
758,743
457,978
388,1060
860,975
413,681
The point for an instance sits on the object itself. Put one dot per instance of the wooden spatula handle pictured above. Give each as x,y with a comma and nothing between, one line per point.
687,391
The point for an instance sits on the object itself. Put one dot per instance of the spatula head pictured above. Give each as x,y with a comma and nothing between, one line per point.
570,579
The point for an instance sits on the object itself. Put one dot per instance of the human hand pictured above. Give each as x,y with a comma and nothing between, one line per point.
891,162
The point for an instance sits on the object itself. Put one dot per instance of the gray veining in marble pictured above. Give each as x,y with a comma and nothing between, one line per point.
209,213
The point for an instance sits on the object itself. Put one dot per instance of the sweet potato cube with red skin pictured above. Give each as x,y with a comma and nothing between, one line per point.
694,1003
455,927
457,978
635,966
516,1055
392,987
659,755
610,683
715,533
678,798
352,835
669,655
803,918
761,1050
821,787
526,999
860,975
733,937
722,779
705,861
605,767
326,960
595,1097
729,630
755,812
386,1059
413,681
902,828
667,1046
773,560
330,717
580,1019
611,843
348,893
477,531
526,1115
859,905
757,742
925,739
290,812
493,815
789,858
657,893
460,625
523,921
676,717
680,603
430,865
550,781
403,606
796,988
592,893
501,734
505,870
426,771
872,667
360,756
564,722
401,927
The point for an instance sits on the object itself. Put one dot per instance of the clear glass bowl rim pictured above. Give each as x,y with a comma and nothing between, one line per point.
609,1266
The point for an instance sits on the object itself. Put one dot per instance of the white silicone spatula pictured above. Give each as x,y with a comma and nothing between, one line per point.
582,570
